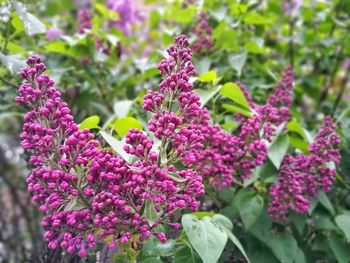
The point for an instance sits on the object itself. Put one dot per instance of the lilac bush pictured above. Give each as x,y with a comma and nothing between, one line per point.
90,194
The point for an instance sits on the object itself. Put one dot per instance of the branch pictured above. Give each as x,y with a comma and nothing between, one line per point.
13,85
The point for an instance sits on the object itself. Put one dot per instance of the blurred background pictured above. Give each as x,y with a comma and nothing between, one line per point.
103,57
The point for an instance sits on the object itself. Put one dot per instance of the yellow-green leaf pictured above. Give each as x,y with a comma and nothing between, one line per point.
236,109
208,76
123,125
254,18
90,123
233,92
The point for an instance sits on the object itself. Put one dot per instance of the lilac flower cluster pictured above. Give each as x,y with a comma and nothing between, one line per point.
203,32
241,154
84,17
176,107
89,194
281,98
60,153
302,176
128,15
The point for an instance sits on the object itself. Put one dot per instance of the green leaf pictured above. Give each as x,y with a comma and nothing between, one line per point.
339,248
324,222
31,24
122,108
12,62
90,123
14,48
299,221
176,177
206,95
258,252
236,242
116,145
17,22
262,228
200,215
298,143
237,9
253,47
207,237
227,194
233,92
107,13
237,109
78,51
296,127
182,15
324,200
300,256
250,208
228,40
74,204
123,125
284,247
278,149
223,220
165,249
186,254
254,18
208,76
151,260
267,172
343,221
219,13
237,61
56,47
150,213
154,248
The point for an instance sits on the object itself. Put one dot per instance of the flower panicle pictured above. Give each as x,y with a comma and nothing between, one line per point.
303,176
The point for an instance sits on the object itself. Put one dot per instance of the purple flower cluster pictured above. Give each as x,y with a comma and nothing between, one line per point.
241,154
176,107
203,32
84,17
89,194
128,15
281,98
226,156
302,176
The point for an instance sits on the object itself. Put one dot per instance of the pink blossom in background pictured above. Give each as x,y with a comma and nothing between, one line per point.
203,32
129,15
53,33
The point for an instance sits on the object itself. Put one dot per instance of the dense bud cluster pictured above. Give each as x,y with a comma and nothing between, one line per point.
241,154
302,176
89,194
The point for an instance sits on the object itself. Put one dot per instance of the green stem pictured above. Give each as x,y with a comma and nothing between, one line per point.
291,42
341,91
6,36
9,83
